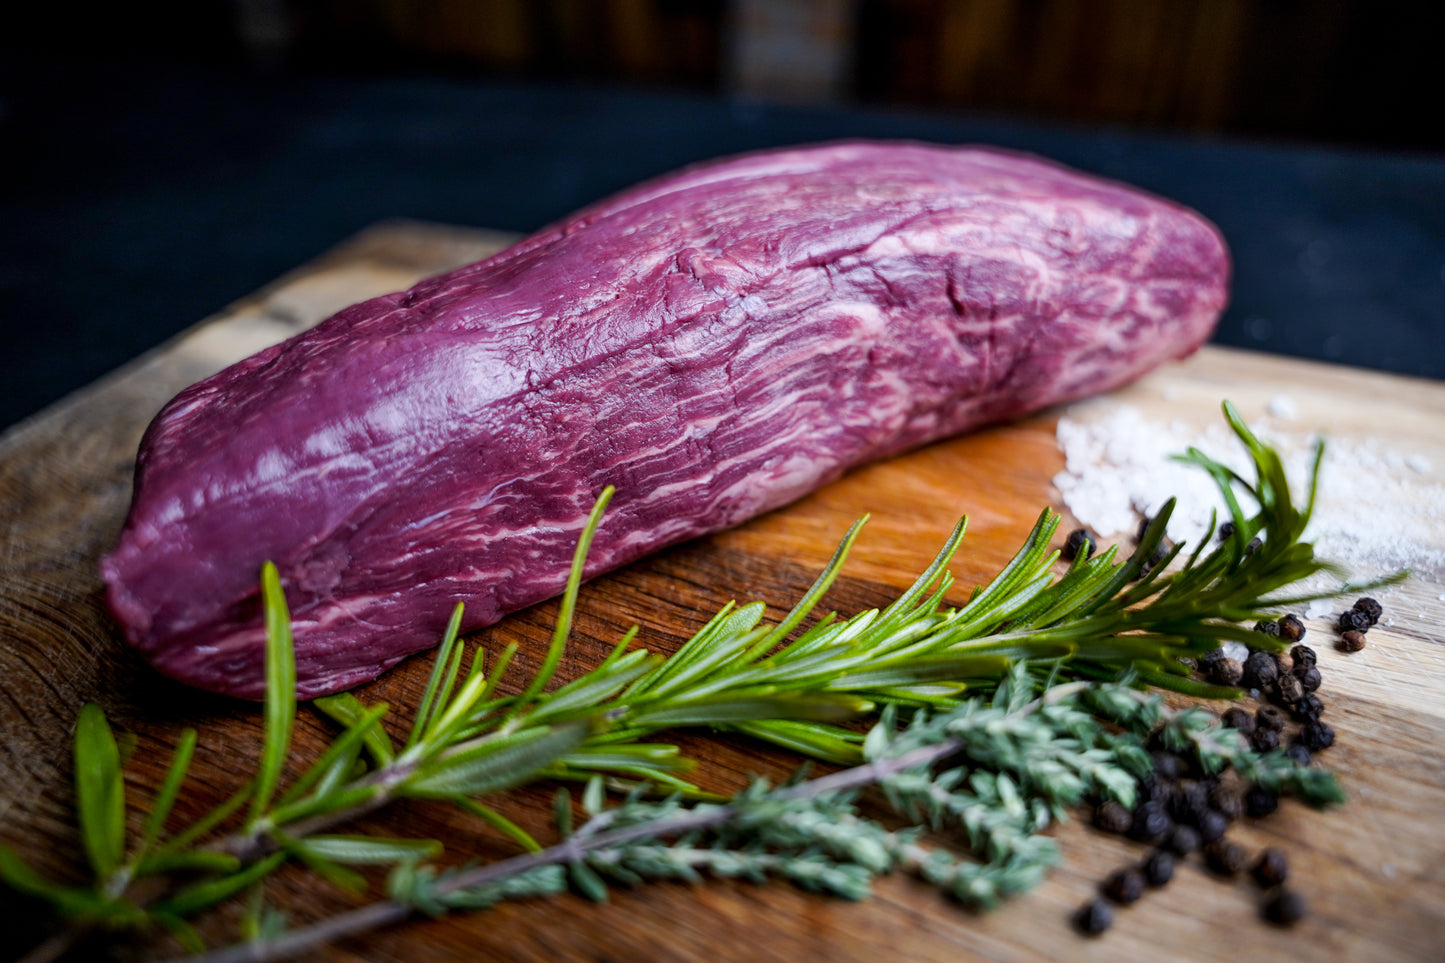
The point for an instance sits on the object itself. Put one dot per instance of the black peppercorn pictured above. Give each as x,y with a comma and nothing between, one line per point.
1144,569
1184,840
1309,708
1226,531
1372,609
1260,802
1269,717
1353,619
1237,717
1352,641
1095,917
1080,540
1125,886
1208,659
1212,825
1260,669
1254,545
1191,798
1284,908
1291,628
1303,655
1271,869
1227,802
1154,788
1263,740
1267,628
1315,736
1112,817
1299,755
1290,688
1159,867
1227,671
1309,677
1225,857
1161,552
1151,822
1168,765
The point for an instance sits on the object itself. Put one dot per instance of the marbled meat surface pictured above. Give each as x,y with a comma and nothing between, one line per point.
715,344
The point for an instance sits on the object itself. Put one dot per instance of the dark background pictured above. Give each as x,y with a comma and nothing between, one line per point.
159,162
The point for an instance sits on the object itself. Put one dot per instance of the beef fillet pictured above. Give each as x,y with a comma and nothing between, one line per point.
715,343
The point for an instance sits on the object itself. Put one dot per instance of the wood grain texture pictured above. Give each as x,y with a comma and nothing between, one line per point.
1371,870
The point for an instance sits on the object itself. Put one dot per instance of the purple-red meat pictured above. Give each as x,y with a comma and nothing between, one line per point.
715,343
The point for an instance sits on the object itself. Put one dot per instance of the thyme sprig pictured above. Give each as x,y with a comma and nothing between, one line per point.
469,739
997,771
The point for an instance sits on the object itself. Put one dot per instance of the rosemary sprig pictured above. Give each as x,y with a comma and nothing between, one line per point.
468,740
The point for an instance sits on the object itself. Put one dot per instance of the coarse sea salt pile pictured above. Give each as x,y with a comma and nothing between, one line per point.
1377,510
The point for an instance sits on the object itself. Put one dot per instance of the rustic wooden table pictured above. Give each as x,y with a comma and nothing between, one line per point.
1372,870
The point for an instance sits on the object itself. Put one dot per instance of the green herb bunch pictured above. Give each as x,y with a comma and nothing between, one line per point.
971,674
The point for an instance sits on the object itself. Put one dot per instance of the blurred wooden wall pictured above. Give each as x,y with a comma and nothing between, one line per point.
654,41
1200,64
1171,63
1326,69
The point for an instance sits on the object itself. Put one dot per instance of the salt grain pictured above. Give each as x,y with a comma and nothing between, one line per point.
1378,510
1283,406
1235,650
1121,467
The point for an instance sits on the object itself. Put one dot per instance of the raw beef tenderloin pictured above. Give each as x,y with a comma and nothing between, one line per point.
715,343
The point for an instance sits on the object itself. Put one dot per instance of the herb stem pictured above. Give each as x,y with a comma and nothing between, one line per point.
389,912
363,920
254,845
587,840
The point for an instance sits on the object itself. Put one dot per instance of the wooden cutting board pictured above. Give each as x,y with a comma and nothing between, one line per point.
1371,870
